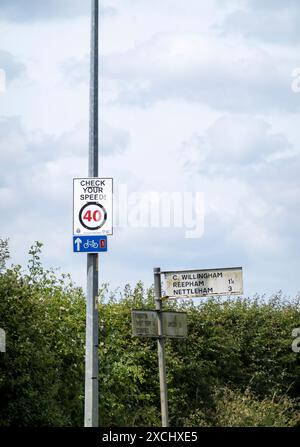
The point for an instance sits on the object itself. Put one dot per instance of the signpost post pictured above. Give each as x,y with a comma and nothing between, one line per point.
91,402
2,340
92,223
160,324
161,350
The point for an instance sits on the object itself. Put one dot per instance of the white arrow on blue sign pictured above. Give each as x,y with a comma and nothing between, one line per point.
89,244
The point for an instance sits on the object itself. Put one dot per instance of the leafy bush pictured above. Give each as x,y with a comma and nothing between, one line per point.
235,368
244,409
41,374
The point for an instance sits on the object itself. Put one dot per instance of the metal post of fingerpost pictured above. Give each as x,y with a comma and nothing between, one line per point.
91,407
161,350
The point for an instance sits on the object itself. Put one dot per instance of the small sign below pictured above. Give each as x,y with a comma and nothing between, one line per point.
89,244
202,283
144,324
175,324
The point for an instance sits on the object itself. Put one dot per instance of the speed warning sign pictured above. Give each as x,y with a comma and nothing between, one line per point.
93,206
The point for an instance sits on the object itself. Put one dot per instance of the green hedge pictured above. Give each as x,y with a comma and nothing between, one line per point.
235,368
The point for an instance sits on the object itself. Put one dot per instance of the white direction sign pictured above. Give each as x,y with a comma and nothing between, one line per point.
200,283
93,206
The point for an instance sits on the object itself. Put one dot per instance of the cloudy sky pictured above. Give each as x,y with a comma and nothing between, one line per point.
194,97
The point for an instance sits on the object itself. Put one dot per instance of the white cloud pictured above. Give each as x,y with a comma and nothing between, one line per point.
12,142
8,195
253,21
224,73
12,67
272,4
171,57
76,71
33,10
235,140
247,188
37,169
76,142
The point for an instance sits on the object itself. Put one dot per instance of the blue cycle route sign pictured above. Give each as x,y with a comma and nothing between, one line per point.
89,244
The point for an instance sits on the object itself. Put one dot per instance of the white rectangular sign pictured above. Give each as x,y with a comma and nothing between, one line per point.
93,206
175,324
200,283
144,324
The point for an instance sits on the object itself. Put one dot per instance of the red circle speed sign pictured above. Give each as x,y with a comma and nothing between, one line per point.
92,216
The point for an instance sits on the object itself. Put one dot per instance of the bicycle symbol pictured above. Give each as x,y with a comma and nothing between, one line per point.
90,244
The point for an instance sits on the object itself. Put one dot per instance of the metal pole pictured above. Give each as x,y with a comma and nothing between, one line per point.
91,406
161,351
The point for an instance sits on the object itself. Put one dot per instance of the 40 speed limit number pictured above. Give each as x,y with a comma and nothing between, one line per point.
93,206
92,216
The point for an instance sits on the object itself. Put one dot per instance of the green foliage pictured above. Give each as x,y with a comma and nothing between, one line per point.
235,368
128,376
244,409
41,374
244,344
237,343
236,409
4,253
